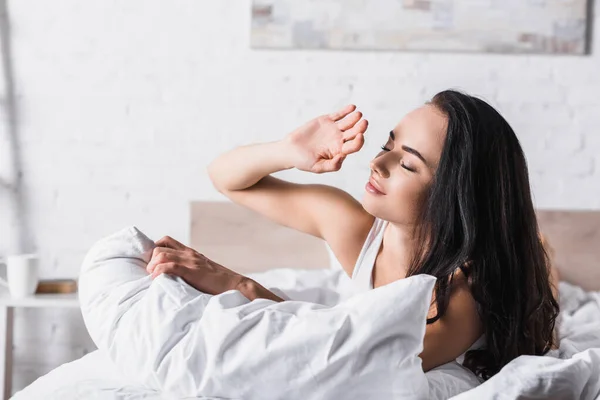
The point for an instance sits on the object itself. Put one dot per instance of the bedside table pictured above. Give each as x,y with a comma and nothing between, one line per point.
7,306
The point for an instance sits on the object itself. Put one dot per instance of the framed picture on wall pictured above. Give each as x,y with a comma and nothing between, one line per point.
497,26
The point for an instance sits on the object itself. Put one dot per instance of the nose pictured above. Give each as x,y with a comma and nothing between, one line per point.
378,166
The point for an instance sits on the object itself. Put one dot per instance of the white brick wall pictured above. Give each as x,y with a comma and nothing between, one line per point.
123,104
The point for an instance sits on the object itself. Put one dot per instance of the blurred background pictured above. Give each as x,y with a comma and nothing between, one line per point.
111,112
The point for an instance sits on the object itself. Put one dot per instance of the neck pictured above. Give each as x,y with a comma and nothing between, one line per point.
399,242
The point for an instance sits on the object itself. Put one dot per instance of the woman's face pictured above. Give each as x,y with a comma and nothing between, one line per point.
402,172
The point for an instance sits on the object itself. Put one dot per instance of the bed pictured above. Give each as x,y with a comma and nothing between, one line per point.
248,243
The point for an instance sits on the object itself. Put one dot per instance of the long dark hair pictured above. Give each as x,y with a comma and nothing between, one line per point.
479,216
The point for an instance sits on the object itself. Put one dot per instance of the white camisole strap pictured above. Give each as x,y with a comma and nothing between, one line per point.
362,275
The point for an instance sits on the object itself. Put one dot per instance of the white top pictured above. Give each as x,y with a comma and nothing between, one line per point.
362,276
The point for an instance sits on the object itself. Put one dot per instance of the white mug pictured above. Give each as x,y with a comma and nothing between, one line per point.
22,274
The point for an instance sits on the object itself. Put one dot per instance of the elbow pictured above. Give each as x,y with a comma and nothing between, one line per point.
213,176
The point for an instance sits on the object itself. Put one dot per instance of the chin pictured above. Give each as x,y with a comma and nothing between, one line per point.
370,205
377,207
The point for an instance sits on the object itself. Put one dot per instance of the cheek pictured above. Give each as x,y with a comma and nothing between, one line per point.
403,201
405,198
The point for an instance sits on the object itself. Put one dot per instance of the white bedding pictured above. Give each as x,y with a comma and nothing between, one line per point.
95,376
572,374
165,335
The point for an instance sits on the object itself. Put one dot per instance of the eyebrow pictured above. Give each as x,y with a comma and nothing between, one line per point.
410,150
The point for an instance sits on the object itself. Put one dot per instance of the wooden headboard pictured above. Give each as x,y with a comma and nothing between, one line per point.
247,242
575,237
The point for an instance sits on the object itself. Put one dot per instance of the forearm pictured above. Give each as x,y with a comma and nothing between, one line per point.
244,166
253,290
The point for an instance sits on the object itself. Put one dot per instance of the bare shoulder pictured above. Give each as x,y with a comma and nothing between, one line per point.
456,331
323,211
345,225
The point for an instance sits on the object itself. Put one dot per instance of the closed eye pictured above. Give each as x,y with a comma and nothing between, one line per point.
406,168
402,164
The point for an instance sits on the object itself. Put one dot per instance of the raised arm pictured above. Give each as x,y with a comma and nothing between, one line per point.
319,146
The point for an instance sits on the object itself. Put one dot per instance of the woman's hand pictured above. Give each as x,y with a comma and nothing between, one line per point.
174,258
207,276
322,144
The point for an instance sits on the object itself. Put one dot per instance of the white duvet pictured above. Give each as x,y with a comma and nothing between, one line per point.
330,342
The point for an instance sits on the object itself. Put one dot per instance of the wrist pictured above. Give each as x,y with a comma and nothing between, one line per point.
285,149
252,291
247,287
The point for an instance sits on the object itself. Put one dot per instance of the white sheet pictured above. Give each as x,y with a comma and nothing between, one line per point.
166,335
94,376
572,374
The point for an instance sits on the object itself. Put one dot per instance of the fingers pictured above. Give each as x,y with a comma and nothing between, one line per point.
161,255
168,241
354,145
335,164
342,113
349,120
170,268
360,127
157,250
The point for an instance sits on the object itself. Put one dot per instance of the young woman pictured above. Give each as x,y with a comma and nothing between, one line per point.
448,195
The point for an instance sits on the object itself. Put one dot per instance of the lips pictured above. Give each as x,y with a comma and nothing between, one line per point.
376,185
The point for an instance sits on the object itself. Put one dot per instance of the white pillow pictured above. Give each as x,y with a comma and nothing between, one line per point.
168,336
